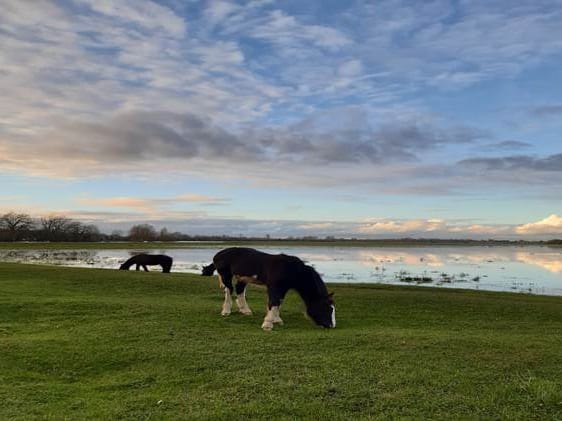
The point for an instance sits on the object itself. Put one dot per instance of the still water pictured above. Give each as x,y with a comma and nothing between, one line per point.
528,269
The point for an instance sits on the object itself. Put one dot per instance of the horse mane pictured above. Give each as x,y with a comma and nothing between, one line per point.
317,281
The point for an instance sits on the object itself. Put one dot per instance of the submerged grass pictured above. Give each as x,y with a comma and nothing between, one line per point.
87,343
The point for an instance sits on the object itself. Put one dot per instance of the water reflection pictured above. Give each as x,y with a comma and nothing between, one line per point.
522,269
549,261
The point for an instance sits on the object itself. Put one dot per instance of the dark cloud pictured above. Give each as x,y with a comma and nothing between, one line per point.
146,136
408,138
523,162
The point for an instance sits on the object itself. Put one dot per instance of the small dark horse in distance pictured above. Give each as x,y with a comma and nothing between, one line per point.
145,260
279,273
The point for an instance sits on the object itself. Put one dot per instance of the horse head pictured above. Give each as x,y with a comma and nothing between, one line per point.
320,304
322,311
208,270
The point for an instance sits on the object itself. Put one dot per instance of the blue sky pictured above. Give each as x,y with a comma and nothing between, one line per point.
367,119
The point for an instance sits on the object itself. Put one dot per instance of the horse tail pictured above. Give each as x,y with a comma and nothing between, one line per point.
208,270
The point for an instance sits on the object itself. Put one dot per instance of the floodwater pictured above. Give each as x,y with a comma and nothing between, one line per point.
525,269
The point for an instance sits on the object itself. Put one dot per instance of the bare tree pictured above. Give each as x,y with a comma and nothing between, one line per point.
164,234
91,232
55,227
116,235
16,224
143,232
77,231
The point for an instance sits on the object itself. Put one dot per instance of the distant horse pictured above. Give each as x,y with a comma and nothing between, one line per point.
279,273
145,260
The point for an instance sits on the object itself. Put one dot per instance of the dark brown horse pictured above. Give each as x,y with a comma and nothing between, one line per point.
279,273
145,260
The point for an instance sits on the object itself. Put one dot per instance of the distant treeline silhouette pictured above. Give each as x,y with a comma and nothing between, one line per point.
21,227
56,228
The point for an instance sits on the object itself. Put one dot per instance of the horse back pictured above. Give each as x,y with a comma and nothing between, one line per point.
152,259
250,262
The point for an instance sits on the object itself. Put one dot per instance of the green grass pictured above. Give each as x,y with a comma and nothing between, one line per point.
107,344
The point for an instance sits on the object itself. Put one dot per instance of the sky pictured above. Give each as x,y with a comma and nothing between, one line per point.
367,119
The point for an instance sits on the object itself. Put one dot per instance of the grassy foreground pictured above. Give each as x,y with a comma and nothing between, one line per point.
86,343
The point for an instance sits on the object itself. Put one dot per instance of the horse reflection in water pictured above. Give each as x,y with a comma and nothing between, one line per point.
145,260
279,273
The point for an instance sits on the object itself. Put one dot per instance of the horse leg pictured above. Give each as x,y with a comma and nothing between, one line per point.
138,267
241,299
145,268
272,316
226,281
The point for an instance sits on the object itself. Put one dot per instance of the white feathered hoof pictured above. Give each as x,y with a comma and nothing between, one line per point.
267,325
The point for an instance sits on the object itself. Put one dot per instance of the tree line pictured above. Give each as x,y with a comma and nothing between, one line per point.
16,226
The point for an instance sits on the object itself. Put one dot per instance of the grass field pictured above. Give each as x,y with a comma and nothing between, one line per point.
107,344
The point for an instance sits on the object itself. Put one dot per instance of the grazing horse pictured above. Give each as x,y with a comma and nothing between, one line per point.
279,273
145,260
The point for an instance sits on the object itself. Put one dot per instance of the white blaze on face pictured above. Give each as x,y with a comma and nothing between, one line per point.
333,315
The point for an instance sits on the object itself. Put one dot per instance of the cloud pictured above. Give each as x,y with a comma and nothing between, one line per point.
261,90
203,199
408,226
149,204
457,44
120,202
522,162
286,31
145,14
552,225
506,145
434,228
132,141
122,212
316,226
218,10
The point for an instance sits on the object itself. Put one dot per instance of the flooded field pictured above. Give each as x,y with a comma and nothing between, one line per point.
529,269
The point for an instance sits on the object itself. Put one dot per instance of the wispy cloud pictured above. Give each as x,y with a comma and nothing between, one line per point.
142,13
524,162
506,145
149,204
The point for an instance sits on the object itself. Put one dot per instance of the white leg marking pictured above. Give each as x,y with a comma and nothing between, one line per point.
276,318
227,305
333,316
271,317
243,305
268,320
